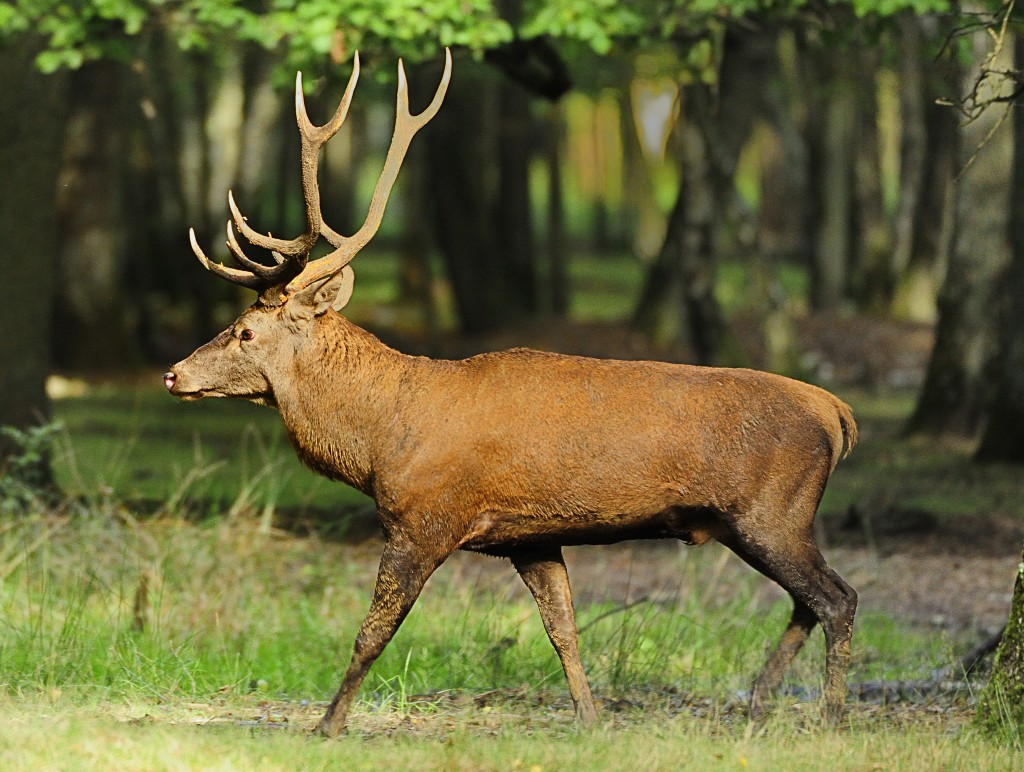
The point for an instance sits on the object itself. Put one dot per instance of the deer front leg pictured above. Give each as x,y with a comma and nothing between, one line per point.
544,573
404,569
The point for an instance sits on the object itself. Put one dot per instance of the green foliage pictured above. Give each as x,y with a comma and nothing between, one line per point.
76,32
24,478
596,23
307,31
311,31
409,28
886,8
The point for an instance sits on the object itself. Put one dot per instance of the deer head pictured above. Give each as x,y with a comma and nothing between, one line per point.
293,292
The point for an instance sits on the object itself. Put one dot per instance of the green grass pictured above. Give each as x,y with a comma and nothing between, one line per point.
886,471
604,289
99,603
130,639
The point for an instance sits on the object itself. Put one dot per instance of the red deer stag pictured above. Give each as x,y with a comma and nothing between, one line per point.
519,453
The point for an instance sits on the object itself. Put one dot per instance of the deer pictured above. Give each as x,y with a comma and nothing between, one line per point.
520,453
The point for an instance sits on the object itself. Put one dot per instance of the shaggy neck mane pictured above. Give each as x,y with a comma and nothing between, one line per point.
350,384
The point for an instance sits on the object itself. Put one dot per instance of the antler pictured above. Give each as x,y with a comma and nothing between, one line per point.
290,269
406,126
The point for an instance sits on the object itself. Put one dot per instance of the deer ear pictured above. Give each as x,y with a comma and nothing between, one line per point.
343,293
332,292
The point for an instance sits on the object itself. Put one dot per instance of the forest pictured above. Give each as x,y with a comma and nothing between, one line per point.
828,190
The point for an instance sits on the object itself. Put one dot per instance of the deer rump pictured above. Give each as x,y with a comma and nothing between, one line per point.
530,448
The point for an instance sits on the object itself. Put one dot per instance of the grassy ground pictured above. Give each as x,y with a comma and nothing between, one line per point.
165,643
166,456
92,738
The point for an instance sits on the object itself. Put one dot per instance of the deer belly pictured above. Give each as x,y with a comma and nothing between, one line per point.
498,532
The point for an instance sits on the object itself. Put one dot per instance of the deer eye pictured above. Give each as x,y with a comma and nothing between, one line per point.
247,334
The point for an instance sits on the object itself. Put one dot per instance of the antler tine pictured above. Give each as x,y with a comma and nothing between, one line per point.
320,134
233,275
297,246
312,138
264,272
290,255
406,126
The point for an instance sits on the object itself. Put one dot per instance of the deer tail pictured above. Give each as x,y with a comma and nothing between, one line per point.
848,426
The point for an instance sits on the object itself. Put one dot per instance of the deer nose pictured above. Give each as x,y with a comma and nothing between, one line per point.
169,379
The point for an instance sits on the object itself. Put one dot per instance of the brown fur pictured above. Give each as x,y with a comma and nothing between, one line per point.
520,453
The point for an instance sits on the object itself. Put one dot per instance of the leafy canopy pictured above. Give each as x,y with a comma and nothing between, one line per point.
305,32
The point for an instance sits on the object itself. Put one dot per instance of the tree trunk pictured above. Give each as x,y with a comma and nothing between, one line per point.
92,313
557,247
268,115
169,184
830,261
913,140
924,219
957,386
416,279
871,276
1003,438
710,135
511,211
1001,707
643,158
31,130
479,197
677,301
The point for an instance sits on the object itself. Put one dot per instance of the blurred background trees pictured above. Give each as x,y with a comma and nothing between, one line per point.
800,146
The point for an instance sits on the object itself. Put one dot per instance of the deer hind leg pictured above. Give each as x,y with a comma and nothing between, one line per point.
543,571
820,596
792,640
404,569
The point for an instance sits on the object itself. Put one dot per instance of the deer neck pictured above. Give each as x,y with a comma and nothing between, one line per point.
340,390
